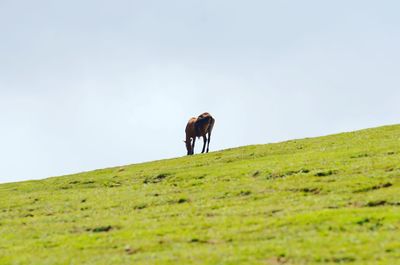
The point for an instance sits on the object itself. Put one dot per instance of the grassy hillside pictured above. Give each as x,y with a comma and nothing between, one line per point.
326,200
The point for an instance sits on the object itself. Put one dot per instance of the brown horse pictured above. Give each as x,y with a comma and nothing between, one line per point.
199,127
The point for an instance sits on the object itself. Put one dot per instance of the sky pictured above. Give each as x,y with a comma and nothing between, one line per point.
94,84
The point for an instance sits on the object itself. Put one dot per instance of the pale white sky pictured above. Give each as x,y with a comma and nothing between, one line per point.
93,84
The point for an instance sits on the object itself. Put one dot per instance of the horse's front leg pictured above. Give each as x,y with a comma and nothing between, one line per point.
194,141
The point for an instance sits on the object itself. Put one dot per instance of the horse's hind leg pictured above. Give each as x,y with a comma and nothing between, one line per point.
209,139
209,133
205,142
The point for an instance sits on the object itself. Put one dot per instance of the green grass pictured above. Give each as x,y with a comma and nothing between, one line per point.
326,200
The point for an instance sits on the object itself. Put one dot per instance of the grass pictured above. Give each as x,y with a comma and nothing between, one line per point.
326,200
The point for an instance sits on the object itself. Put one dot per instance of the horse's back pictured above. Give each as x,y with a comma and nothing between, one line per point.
204,115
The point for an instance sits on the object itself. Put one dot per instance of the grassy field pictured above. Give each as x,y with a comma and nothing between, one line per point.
326,200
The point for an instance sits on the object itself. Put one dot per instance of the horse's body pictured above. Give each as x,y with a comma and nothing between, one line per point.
199,127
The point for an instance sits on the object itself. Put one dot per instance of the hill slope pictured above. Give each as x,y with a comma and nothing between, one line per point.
332,199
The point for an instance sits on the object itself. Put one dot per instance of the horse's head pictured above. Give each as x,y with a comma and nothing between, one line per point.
189,148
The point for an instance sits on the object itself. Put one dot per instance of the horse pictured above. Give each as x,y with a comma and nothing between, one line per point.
199,127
